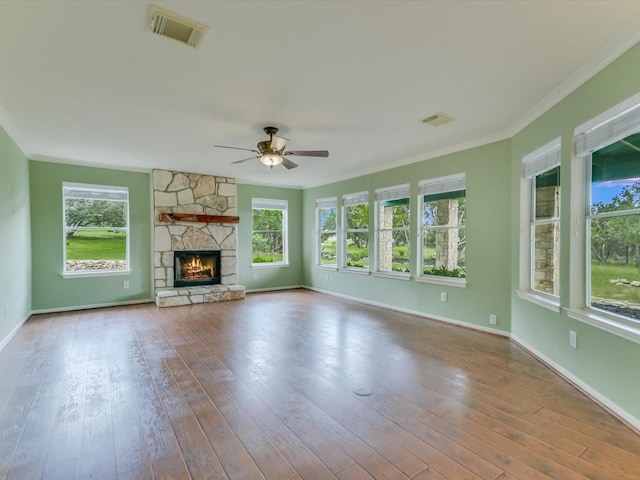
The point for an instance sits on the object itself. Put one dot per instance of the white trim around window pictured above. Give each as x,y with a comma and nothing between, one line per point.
326,229
538,162
72,192
283,230
603,130
350,204
430,191
400,194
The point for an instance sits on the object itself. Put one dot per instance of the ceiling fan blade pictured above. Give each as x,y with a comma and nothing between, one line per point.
244,160
278,143
237,148
288,164
308,153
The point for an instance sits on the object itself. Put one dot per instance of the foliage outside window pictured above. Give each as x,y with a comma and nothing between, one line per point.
356,230
613,226
96,228
326,218
269,231
542,170
392,205
443,240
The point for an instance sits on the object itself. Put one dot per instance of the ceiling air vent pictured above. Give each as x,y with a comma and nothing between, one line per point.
437,119
169,24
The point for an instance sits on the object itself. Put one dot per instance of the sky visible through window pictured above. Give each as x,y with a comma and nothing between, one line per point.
605,191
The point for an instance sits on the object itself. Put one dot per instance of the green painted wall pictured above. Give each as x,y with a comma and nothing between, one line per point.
487,170
49,289
15,237
605,362
277,277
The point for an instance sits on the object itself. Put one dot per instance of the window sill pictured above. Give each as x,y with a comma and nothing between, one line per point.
620,327
357,271
549,303
449,281
95,273
269,265
394,275
333,268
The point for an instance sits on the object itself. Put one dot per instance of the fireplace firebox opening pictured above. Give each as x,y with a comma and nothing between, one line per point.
196,267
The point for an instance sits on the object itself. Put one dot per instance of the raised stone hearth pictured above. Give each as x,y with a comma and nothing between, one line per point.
175,297
199,195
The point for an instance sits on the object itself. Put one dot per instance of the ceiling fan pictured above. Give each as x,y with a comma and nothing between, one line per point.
272,152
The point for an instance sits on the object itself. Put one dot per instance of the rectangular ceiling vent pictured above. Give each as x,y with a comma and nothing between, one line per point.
169,24
437,119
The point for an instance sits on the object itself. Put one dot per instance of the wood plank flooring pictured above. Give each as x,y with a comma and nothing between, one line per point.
264,389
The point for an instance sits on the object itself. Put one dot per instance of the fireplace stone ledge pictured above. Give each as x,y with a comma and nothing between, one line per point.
175,297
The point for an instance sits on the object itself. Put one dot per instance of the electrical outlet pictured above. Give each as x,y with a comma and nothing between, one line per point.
125,284
255,275
573,338
443,296
493,319
326,277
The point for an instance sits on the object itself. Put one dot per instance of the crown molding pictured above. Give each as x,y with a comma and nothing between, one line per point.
597,63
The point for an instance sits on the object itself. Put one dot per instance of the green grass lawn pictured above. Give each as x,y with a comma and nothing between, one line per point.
97,245
601,287
265,257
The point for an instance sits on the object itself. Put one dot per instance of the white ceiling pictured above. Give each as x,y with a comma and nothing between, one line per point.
85,81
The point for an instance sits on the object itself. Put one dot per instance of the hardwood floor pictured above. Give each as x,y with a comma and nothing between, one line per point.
263,389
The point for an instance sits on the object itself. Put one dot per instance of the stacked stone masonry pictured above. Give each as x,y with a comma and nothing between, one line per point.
180,192
176,297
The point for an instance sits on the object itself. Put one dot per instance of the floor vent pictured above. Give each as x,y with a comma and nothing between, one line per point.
171,25
437,119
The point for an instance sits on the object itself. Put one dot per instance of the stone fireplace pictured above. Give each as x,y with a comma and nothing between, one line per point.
194,212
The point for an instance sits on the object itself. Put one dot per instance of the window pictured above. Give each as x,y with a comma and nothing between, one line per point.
609,149
269,232
96,229
442,233
392,220
355,221
542,180
326,213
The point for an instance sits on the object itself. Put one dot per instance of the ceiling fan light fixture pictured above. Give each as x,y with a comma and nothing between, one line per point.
271,159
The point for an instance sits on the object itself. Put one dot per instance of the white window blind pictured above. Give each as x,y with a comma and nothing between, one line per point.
619,122
98,192
392,193
450,183
543,159
327,202
268,204
355,199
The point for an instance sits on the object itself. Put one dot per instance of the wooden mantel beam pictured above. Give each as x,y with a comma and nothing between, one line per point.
197,217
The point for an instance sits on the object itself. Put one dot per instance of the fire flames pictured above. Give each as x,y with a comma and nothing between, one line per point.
196,269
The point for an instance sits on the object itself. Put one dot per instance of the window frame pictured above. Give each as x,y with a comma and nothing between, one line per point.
397,192
605,129
445,184
127,229
541,160
353,199
272,204
326,204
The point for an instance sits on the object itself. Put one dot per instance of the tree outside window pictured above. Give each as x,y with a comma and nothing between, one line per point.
269,234
356,230
96,228
326,213
614,228
442,214
393,231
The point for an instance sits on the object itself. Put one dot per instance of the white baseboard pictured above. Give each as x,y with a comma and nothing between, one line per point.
429,316
89,307
274,289
13,332
596,396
